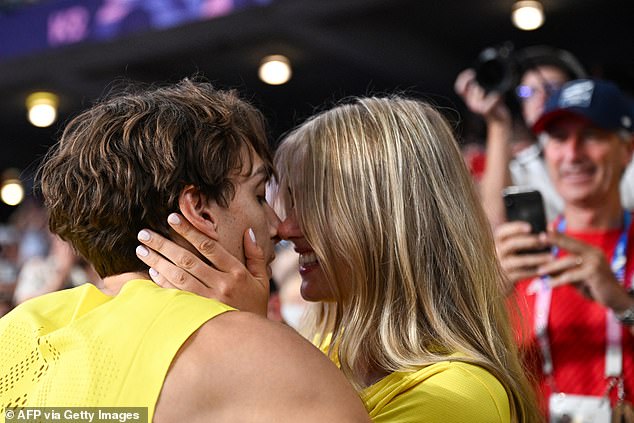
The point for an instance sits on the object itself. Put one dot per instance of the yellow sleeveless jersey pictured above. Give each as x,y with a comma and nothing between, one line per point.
82,348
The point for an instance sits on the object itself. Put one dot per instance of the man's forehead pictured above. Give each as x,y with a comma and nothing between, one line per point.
570,120
253,167
256,163
544,73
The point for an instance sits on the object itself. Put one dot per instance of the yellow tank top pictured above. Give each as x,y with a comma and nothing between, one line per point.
82,348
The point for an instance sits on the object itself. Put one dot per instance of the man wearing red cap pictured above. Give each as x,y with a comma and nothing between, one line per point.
576,302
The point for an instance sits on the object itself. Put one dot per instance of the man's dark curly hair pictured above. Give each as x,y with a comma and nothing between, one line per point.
121,165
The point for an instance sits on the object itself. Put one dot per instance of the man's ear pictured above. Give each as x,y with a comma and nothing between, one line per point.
198,210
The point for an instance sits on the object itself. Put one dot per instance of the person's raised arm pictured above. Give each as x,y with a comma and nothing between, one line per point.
496,175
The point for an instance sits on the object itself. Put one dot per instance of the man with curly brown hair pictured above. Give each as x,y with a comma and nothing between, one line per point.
127,163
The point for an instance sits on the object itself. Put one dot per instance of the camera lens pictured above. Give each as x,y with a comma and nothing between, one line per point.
490,74
496,69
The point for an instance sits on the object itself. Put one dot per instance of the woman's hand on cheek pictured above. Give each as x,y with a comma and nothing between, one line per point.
224,278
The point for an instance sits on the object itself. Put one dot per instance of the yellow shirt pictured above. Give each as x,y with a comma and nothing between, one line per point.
82,348
445,392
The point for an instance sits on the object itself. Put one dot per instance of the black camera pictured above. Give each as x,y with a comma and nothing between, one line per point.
497,69
500,68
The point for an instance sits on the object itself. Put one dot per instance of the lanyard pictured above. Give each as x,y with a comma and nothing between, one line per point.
613,350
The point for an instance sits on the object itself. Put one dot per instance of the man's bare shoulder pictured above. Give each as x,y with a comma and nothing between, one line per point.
242,367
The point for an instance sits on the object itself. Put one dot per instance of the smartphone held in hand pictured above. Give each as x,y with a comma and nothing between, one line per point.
526,205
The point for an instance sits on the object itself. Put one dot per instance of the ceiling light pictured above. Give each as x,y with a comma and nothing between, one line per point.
42,108
12,192
528,14
275,70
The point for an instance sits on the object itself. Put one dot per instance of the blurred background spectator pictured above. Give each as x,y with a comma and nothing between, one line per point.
287,304
61,268
8,266
33,261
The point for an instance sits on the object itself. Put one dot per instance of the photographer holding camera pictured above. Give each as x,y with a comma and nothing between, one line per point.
513,155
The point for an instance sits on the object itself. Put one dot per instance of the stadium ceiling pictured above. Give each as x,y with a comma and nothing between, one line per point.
338,48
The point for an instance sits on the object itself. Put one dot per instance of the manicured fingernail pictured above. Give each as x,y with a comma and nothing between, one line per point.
142,251
173,219
143,235
251,235
153,273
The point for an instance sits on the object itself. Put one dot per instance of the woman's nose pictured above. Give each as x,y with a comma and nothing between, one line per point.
289,227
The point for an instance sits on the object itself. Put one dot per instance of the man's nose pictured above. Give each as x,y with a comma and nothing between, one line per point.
574,145
274,222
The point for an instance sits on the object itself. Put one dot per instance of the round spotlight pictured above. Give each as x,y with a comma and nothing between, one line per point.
42,108
12,192
275,70
528,14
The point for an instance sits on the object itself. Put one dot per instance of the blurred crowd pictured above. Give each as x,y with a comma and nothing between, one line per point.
33,261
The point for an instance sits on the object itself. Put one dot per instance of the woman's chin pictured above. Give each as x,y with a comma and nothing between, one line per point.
314,286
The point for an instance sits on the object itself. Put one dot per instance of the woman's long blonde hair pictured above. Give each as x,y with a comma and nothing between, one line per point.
382,194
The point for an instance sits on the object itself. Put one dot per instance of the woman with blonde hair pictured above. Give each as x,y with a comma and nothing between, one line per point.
396,248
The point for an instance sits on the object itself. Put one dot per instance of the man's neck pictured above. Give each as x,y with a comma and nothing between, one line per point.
608,215
113,284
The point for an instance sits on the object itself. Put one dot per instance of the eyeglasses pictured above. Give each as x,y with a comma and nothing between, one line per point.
524,92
